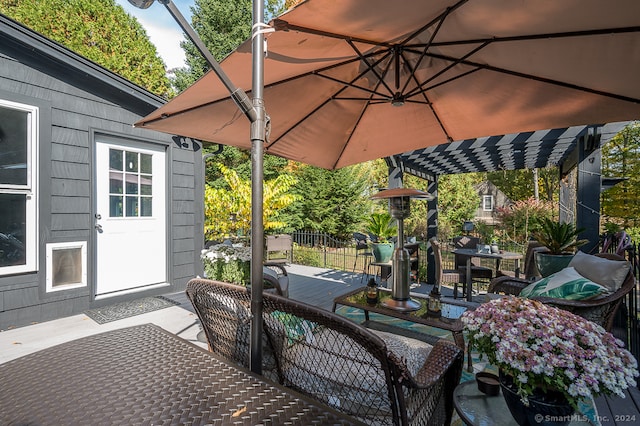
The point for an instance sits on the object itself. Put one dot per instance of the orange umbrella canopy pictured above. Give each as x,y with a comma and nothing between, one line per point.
348,81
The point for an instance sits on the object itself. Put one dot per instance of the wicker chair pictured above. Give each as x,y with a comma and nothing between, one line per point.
275,276
601,310
530,270
331,358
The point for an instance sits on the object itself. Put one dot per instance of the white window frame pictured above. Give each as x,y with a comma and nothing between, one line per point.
30,189
82,245
487,203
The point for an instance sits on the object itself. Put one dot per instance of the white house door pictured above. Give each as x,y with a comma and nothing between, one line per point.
130,218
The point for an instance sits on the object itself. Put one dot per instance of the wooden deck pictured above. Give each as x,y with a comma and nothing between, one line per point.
318,287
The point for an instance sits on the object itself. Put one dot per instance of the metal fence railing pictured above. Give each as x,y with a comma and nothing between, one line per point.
323,250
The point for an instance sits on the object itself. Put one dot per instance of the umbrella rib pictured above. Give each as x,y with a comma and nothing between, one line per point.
371,67
280,24
439,18
539,78
606,31
426,48
421,85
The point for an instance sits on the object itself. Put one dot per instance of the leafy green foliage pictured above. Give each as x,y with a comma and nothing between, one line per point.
335,201
98,30
519,184
457,203
222,25
382,226
235,200
522,218
621,158
559,237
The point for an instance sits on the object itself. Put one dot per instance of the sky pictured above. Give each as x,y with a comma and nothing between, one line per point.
162,30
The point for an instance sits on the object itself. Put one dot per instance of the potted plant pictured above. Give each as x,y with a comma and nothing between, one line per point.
561,240
542,351
381,226
226,263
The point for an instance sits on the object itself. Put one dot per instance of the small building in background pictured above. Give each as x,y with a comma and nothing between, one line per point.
491,198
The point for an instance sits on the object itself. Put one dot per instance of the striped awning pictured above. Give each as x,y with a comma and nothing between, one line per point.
525,150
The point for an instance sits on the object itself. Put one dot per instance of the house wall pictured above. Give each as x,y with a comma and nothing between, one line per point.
69,117
499,200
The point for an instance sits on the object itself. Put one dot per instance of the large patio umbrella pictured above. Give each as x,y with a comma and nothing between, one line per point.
346,81
354,80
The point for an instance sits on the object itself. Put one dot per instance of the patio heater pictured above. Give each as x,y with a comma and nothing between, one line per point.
399,206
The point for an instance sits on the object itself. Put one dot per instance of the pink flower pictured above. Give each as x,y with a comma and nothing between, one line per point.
541,345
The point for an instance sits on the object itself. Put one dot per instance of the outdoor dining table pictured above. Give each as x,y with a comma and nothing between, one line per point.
146,375
499,256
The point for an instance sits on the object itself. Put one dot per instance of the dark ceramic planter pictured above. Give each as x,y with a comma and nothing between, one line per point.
544,409
551,263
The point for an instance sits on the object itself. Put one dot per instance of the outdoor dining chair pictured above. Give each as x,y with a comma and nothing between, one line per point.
362,250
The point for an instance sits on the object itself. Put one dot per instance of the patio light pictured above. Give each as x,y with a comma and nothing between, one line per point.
400,208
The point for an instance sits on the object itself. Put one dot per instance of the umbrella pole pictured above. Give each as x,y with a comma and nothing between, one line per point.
256,114
258,136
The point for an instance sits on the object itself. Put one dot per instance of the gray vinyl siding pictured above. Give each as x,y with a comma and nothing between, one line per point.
66,184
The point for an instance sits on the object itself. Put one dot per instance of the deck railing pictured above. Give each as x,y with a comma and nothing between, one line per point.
323,250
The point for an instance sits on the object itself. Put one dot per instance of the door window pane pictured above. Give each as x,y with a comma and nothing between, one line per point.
131,161
115,159
145,163
146,207
132,183
115,182
131,175
132,206
115,206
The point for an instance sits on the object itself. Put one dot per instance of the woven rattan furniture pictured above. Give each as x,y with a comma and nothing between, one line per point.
600,310
144,375
275,275
333,359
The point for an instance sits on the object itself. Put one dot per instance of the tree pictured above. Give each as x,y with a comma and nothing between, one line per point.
457,202
519,184
235,201
522,218
621,158
336,202
98,30
222,25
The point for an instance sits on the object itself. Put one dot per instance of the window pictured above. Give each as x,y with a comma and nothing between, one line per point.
18,195
487,203
130,184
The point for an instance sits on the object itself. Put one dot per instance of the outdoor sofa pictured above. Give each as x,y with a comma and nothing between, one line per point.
608,270
376,377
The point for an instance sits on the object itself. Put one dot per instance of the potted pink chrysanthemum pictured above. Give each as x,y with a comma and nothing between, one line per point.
541,349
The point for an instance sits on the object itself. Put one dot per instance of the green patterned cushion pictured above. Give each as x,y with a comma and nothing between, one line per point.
295,328
565,284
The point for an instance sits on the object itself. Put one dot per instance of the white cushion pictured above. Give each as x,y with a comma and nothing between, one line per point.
606,272
412,352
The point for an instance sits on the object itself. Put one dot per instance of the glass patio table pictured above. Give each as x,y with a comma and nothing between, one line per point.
452,309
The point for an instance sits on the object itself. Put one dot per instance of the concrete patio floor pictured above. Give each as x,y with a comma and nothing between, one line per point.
306,283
